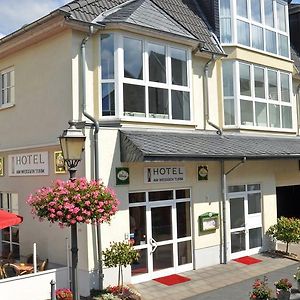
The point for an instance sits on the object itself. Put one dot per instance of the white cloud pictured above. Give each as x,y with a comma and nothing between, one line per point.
15,13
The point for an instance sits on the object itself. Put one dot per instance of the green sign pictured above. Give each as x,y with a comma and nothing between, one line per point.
202,172
122,176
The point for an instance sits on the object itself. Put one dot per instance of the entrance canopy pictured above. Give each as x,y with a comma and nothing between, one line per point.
8,219
146,145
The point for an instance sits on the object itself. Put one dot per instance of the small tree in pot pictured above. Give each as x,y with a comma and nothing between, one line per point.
120,254
286,230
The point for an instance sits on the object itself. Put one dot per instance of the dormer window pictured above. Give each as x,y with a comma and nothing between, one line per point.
151,80
259,24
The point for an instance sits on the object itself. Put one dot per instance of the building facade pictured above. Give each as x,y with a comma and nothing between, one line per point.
198,115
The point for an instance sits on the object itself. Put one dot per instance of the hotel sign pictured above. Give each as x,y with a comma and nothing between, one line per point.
28,164
164,174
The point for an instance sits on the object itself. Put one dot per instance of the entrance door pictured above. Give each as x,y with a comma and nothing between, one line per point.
245,220
160,228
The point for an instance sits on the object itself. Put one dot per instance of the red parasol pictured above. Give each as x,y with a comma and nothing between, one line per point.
8,219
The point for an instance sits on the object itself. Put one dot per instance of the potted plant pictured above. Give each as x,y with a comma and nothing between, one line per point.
64,294
260,290
283,289
297,278
119,254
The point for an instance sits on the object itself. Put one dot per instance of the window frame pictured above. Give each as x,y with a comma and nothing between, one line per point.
120,80
237,98
6,104
234,17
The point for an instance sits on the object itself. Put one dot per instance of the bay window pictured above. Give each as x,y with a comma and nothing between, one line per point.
150,80
260,24
256,96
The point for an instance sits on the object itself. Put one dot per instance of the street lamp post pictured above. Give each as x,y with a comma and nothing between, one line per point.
72,144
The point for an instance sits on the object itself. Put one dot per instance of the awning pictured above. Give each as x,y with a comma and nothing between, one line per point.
8,219
147,145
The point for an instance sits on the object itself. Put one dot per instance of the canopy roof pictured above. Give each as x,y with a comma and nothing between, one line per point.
146,145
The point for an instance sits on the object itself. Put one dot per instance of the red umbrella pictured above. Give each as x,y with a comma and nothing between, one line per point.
8,219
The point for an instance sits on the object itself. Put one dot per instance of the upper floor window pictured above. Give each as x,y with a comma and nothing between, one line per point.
7,87
256,96
144,79
260,24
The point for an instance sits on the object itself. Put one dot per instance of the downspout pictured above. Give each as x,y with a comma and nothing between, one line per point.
96,147
205,96
298,108
224,188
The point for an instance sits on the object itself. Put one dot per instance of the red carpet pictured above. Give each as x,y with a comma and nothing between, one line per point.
172,279
247,260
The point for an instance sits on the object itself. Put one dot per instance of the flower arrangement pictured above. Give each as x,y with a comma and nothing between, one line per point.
74,201
260,289
126,293
64,294
283,284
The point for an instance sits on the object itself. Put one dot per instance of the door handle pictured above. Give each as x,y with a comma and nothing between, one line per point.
153,244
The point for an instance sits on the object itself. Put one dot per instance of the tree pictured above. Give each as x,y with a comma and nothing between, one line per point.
286,230
120,254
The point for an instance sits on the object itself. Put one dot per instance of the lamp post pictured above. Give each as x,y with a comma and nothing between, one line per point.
72,144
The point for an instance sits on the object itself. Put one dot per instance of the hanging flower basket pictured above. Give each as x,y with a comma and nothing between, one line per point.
74,201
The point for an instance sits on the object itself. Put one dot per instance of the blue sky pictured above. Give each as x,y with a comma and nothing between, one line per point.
16,13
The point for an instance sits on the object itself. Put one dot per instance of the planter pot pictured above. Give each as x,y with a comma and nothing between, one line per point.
283,295
298,285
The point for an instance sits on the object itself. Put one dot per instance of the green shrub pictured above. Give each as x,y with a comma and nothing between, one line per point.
286,230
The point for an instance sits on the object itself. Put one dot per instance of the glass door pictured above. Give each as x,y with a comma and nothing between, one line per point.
160,229
245,220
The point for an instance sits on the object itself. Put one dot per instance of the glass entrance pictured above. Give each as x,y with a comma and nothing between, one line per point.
160,229
245,220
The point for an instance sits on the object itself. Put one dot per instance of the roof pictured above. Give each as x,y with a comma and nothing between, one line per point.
145,13
186,15
143,145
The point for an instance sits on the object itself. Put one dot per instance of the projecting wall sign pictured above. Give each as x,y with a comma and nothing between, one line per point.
28,164
164,174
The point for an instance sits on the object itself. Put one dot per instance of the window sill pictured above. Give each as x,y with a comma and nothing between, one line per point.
261,129
5,106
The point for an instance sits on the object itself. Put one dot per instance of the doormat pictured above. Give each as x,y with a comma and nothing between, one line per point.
247,260
172,279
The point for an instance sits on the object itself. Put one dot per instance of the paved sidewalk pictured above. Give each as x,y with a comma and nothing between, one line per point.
225,282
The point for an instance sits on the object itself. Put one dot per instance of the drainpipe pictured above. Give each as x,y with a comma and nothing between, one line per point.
206,98
223,187
96,147
298,107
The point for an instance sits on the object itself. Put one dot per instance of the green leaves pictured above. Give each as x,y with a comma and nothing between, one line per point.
286,230
119,254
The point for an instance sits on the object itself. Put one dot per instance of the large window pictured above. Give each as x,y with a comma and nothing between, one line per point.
10,235
260,24
7,87
256,96
144,79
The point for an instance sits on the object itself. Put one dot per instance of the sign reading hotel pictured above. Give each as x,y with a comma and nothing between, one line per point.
164,174
28,164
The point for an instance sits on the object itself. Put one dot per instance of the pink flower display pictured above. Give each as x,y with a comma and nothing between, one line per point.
76,201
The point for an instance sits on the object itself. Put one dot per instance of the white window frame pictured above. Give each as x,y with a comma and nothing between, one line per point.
119,80
235,18
4,103
237,98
